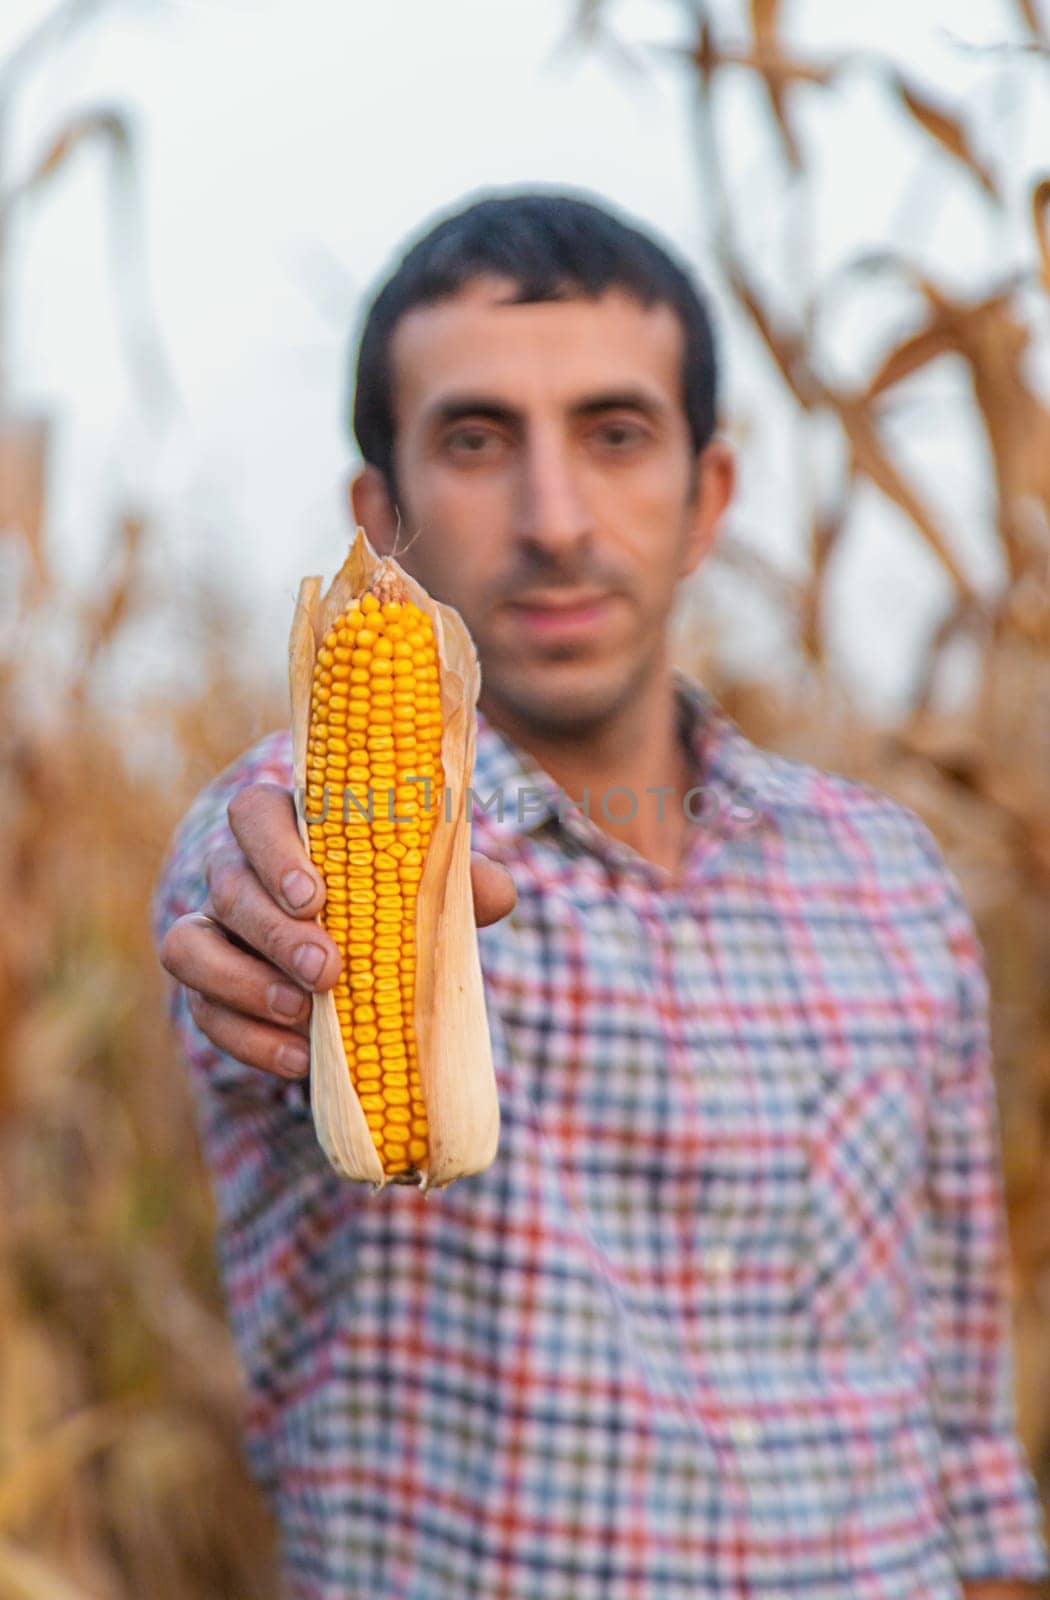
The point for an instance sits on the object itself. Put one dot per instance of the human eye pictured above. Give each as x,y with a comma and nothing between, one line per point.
620,435
472,441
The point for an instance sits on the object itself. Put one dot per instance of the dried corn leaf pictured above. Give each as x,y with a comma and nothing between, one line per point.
732,551
935,339
1032,20
870,457
90,125
778,69
27,1576
948,131
825,535
1040,208
764,18
1032,1378
704,54
859,423
992,339
33,1481
105,615
787,348
24,443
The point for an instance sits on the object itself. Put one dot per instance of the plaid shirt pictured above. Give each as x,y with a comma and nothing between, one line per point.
728,1314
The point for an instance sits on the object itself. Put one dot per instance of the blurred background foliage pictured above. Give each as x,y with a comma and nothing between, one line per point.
120,1471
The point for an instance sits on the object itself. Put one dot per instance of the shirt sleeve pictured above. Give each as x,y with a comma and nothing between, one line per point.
285,1217
993,1508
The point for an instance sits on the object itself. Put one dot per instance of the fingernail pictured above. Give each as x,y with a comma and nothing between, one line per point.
297,889
293,1058
285,1000
308,961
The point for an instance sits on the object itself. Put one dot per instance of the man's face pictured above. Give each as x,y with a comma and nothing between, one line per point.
546,477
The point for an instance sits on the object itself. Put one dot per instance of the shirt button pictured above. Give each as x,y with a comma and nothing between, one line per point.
744,1431
719,1260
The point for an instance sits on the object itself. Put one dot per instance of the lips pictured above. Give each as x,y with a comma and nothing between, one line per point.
560,601
562,614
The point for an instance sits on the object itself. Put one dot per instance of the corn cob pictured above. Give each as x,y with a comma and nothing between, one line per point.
384,680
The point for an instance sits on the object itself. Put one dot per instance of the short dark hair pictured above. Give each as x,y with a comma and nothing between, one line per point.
551,246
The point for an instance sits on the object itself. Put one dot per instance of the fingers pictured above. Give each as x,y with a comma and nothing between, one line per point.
249,980
198,954
262,817
302,950
494,893
275,1050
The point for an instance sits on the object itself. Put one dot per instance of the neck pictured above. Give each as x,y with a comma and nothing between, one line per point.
625,762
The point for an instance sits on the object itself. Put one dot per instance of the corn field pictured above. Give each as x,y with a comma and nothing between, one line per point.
120,1470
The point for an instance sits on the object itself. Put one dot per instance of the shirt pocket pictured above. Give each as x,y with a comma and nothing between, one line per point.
860,1280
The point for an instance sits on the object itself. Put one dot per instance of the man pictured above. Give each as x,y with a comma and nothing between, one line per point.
727,1316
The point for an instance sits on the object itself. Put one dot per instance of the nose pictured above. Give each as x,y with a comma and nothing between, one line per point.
553,518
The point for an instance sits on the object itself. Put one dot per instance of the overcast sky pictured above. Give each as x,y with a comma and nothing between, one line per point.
287,147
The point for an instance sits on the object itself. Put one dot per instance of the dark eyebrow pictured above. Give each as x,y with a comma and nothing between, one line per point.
622,400
456,407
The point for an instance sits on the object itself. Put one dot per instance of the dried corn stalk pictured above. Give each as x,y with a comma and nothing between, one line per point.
384,681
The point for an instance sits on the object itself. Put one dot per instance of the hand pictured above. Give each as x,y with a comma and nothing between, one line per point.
252,957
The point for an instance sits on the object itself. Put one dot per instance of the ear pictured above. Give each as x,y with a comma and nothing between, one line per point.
715,483
371,507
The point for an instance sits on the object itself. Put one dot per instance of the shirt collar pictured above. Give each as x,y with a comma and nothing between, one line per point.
514,796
